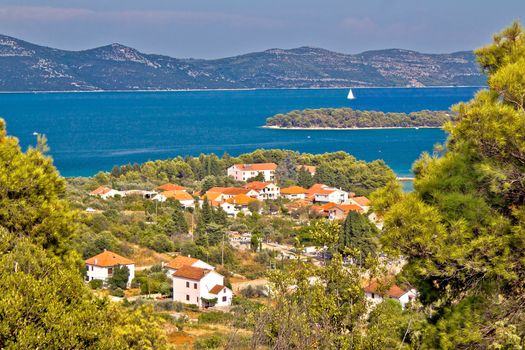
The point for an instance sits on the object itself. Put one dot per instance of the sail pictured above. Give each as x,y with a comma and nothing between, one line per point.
350,95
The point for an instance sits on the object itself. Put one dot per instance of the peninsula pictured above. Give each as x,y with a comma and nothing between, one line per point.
348,118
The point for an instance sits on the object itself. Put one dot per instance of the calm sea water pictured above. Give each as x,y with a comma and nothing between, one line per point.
89,132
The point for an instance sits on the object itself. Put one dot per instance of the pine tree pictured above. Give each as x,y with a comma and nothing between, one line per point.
304,178
358,233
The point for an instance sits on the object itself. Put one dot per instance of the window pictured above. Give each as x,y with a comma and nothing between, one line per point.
194,285
197,300
224,298
187,284
110,271
187,297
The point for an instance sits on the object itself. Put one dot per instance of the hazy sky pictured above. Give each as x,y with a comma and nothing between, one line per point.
218,28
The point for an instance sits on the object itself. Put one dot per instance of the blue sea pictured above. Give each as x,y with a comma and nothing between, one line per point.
92,131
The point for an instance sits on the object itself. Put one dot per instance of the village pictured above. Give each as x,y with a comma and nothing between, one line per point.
196,282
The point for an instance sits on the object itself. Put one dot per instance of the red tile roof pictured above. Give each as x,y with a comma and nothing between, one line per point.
108,259
171,187
350,207
232,191
100,191
241,199
256,167
294,190
191,273
178,195
362,201
256,185
393,292
216,289
181,261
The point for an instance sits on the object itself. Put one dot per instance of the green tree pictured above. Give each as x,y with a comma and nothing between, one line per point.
286,170
120,277
463,229
31,196
359,234
304,178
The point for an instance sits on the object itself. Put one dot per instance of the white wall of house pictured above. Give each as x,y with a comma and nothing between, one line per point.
336,196
294,196
244,175
103,273
271,191
191,292
230,209
224,297
112,194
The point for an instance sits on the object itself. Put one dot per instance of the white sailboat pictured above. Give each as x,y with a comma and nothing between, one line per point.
350,95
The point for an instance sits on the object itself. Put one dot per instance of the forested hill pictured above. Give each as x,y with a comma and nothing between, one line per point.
347,118
29,67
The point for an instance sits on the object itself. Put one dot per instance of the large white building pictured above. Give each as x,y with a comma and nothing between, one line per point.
101,266
244,172
202,287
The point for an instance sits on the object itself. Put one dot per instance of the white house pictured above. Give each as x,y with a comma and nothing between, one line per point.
324,194
294,193
244,172
230,209
202,287
185,199
376,294
263,190
181,261
106,192
101,266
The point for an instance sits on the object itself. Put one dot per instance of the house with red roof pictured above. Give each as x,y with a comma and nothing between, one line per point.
320,193
376,292
181,260
244,172
185,199
294,193
361,201
264,190
106,192
201,287
101,266
340,211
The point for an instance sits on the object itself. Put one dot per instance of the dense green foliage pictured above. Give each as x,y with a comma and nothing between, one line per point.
358,234
347,118
338,169
463,229
44,302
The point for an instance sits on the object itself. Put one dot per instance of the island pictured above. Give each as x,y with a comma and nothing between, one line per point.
348,118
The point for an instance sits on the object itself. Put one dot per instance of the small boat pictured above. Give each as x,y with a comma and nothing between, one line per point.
350,95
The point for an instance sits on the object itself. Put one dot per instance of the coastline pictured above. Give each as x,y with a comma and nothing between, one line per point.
240,89
357,128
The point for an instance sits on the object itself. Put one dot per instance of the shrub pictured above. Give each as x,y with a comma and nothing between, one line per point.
120,277
117,292
214,341
96,284
215,317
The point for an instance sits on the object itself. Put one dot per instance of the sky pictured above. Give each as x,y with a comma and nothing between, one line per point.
220,28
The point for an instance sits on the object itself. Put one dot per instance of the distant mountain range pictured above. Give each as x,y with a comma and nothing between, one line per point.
29,67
